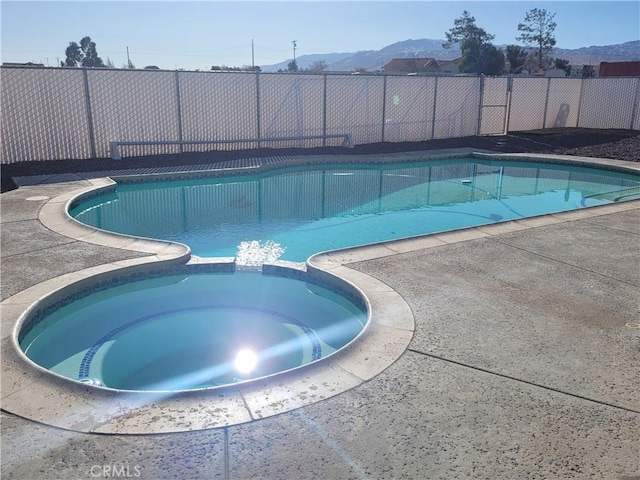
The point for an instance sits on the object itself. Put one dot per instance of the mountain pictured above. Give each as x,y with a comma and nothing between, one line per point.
373,60
305,61
622,52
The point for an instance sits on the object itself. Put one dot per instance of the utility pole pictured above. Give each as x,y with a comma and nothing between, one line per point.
253,63
295,44
128,59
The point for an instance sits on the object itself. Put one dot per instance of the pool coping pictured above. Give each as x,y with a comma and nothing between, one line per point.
42,397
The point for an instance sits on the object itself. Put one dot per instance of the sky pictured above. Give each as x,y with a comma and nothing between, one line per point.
196,35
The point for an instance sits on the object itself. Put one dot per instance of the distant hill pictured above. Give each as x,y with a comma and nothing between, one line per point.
622,52
373,60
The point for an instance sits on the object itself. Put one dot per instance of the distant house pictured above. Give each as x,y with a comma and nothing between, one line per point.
449,67
544,72
555,72
619,69
421,65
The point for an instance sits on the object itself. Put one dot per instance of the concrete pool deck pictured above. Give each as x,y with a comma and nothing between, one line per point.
523,364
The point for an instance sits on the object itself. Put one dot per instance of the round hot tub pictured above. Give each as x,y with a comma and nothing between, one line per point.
192,328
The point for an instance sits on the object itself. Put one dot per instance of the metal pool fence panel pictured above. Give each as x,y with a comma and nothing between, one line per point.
214,107
55,113
44,115
494,95
563,102
130,104
354,105
527,103
457,104
292,106
409,108
610,101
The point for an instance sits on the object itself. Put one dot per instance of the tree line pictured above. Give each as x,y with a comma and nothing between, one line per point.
85,54
479,55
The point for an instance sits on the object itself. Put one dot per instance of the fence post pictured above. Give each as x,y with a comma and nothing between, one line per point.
384,104
324,110
87,101
580,98
480,103
258,131
546,104
433,116
636,100
507,113
179,107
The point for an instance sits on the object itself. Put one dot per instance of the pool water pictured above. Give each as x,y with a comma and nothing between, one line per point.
190,331
292,213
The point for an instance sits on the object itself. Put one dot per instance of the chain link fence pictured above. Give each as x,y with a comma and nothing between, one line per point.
53,113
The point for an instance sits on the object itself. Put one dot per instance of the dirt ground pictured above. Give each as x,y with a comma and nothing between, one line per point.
616,144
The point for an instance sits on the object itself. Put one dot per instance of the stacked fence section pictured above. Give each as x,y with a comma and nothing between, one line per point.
609,103
354,105
292,106
53,113
562,102
220,107
409,109
457,100
133,106
44,115
527,104
494,106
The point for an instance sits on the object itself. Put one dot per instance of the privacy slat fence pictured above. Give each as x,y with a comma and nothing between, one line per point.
53,113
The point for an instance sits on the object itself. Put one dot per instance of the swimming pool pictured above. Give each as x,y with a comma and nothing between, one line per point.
49,398
193,328
291,213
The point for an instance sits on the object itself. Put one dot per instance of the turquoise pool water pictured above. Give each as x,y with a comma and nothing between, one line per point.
193,330
292,213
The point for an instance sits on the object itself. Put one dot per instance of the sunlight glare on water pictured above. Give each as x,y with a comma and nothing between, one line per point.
193,329
255,253
246,360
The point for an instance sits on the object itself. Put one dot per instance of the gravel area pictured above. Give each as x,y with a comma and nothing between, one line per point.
625,149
